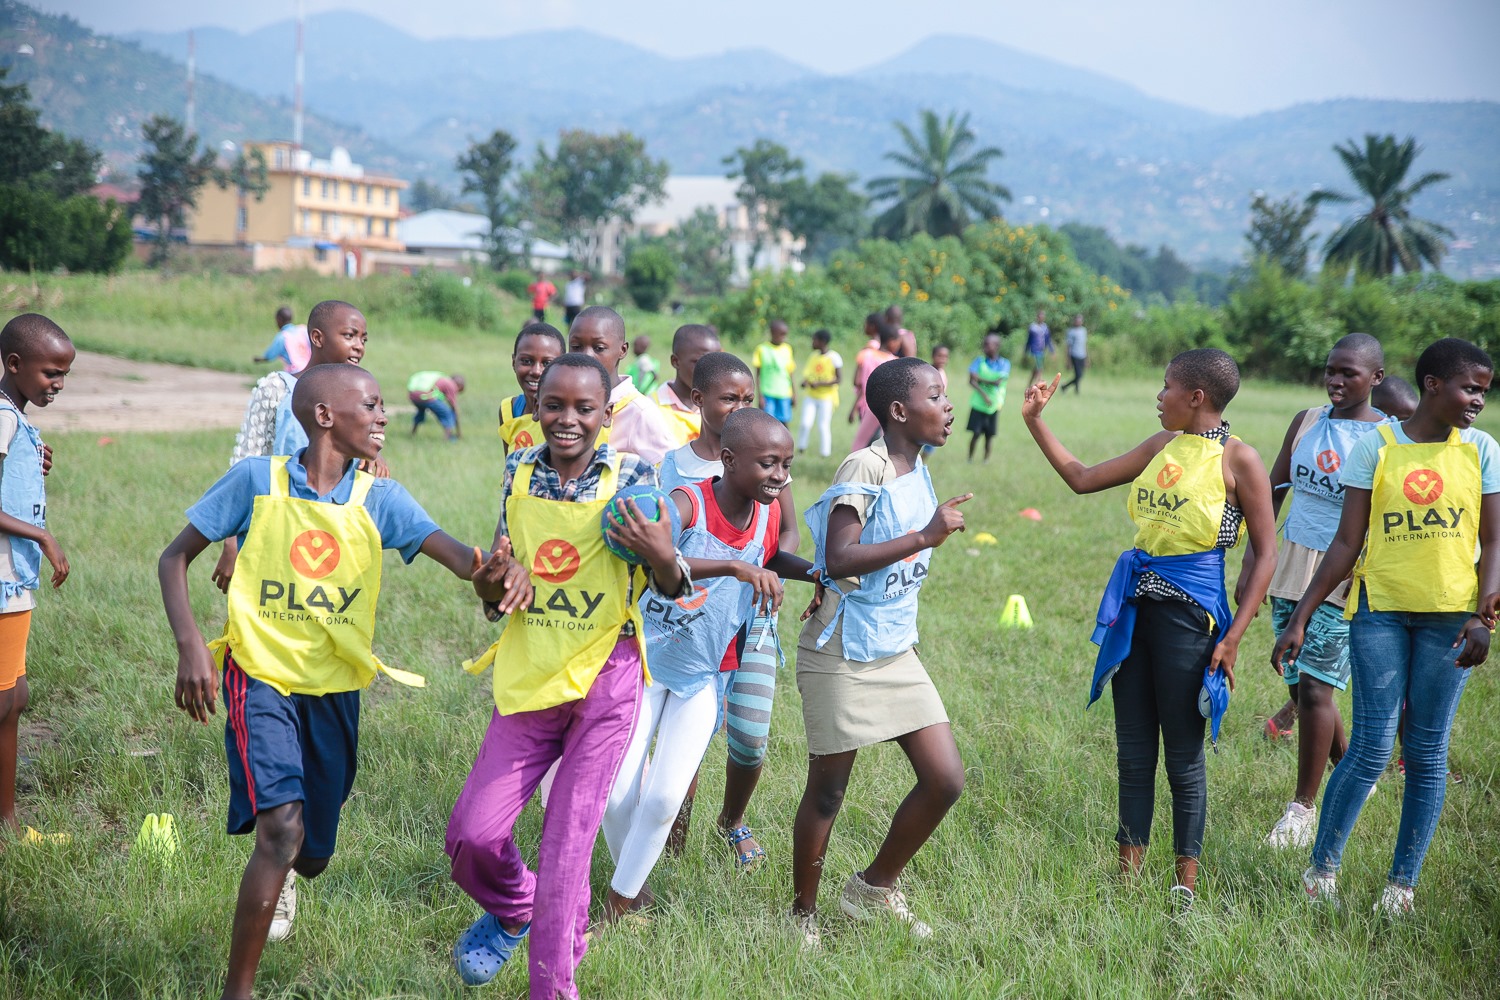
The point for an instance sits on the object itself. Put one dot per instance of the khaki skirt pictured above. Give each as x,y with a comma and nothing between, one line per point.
847,705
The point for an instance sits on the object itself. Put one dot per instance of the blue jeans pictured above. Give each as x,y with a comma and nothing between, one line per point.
1398,657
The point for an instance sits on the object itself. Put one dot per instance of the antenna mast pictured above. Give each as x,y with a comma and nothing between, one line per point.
192,73
297,90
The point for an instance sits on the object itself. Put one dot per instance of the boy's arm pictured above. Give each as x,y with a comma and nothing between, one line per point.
1253,494
1082,478
1281,474
196,675
50,547
1475,636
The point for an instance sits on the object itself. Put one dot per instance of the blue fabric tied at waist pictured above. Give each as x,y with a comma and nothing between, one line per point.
1200,575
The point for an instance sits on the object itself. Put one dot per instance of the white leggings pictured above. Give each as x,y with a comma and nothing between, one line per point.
641,809
821,411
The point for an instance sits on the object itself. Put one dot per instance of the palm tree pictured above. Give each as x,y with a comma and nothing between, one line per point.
945,188
1387,235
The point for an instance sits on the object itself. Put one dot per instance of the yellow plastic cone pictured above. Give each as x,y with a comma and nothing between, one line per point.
985,538
1016,614
158,836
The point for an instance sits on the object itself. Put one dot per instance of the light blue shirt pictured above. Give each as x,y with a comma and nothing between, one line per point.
1359,470
225,509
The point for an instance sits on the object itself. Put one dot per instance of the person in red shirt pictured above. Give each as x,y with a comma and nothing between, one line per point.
541,291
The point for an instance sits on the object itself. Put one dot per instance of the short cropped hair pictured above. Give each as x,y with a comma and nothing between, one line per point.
1394,393
1211,370
536,328
316,383
716,365
743,425
1446,358
1364,347
324,313
28,334
587,361
822,336
611,321
692,333
283,315
890,383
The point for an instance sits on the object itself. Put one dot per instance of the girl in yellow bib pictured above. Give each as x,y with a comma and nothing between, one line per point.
568,677
296,650
1167,642
537,346
1418,497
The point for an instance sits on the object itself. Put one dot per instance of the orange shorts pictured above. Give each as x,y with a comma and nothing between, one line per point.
14,630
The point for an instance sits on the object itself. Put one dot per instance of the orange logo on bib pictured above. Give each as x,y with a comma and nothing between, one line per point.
695,600
314,554
556,561
1328,461
1168,476
1424,486
913,556
523,440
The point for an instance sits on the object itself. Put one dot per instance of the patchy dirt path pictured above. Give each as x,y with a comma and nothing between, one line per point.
109,395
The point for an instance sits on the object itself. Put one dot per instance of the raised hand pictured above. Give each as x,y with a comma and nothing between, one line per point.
1037,396
945,521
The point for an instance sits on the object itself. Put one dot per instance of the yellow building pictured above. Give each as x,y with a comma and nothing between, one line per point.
310,202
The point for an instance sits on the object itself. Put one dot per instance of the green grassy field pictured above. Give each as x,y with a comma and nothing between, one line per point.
1019,881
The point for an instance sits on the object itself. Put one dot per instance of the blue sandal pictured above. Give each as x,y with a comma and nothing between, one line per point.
749,859
484,948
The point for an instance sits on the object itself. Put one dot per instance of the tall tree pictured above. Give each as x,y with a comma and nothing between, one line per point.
702,249
1387,235
946,184
1278,232
33,157
766,172
247,174
827,214
173,170
589,180
486,167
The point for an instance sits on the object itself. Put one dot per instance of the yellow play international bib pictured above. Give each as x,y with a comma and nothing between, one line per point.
1424,527
302,598
685,426
518,433
1177,504
551,651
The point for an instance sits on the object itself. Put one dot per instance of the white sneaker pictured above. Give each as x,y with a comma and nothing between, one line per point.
1182,899
804,929
286,909
1320,888
864,901
1397,901
1295,828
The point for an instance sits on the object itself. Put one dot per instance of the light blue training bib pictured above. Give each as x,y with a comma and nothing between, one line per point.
1317,493
879,615
23,495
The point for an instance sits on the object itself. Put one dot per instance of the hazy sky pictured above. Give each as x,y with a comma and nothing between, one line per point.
1231,56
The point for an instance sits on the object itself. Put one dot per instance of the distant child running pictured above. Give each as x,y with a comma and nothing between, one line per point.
820,396
940,355
774,366
568,678
536,347
861,365
890,346
723,386
988,377
857,666
296,651
729,538
1309,466
436,393
1419,495
290,345
37,357
1165,632
691,342
1039,344
636,425
541,291
1077,339
644,370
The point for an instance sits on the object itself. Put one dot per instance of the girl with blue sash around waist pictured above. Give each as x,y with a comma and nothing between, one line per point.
1419,495
729,538
1167,643
1308,469
857,667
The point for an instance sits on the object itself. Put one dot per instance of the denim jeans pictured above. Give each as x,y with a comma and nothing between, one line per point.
1398,657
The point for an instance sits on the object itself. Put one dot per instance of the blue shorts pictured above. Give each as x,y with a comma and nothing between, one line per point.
440,409
1324,654
289,748
1038,358
779,407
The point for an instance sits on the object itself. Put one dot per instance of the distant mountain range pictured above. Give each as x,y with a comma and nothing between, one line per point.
1079,145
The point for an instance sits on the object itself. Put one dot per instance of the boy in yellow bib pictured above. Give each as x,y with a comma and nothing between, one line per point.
1164,630
568,675
1418,496
296,650
537,346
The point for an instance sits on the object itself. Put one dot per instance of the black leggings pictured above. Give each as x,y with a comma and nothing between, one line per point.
1076,382
1156,690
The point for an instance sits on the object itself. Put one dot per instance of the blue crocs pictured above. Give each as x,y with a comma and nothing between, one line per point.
483,949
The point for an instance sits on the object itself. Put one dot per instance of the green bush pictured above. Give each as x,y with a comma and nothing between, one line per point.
650,274
39,232
514,282
446,299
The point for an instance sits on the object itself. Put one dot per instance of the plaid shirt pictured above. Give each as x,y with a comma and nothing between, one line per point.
546,484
